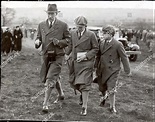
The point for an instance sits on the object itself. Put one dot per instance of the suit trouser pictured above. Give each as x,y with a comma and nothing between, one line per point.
53,78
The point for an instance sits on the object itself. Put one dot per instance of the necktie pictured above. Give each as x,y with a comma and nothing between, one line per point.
106,44
50,25
79,35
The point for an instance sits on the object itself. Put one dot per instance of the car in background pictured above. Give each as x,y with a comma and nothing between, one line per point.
132,50
96,30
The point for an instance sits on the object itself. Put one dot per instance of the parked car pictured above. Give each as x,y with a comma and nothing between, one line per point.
96,30
132,50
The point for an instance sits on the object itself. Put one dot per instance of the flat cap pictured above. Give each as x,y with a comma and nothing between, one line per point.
109,29
81,21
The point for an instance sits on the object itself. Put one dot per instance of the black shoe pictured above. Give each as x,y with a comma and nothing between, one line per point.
45,109
80,102
59,99
84,112
102,103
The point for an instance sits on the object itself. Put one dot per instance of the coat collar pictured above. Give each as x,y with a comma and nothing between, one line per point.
84,37
52,29
108,46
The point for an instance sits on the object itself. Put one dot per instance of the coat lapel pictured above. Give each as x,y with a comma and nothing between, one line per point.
102,42
53,28
84,37
45,27
75,36
108,46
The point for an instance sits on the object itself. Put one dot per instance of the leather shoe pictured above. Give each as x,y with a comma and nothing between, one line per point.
80,102
102,103
112,110
59,98
45,109
84,111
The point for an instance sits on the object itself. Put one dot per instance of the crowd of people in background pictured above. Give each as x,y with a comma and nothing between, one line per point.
11,39
145,35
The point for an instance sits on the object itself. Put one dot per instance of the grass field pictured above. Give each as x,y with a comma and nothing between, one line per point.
20,82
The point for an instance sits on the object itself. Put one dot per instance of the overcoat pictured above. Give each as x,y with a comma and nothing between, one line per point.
45,34
81,72
17,35
109,58
7,40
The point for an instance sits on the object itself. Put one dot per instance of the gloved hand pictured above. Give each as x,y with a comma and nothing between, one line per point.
37,43
55,41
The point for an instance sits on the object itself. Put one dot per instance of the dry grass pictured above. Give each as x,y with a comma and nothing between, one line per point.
20,82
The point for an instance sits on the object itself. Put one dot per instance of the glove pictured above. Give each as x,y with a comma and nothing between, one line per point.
55,41
37,43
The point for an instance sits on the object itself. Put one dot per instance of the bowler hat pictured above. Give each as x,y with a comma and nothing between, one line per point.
81,21
52,8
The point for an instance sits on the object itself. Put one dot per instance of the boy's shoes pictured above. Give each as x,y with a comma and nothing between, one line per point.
45,109
84,111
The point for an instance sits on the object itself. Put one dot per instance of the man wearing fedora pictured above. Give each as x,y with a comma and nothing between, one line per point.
53,35
81,55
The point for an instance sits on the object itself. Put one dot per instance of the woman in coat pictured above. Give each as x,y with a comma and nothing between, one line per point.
83,49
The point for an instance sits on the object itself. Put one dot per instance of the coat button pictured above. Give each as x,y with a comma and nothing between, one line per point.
111,61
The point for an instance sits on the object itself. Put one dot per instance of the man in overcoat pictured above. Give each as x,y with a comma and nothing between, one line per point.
53,35
111,54
7,40
17,35
82,51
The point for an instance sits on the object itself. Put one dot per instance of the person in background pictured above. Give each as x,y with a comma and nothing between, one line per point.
144,33
150,40
17,35
81,54
138,36
7,40
54,36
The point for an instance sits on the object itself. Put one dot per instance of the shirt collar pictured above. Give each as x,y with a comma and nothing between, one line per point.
82,31
109,40
49,22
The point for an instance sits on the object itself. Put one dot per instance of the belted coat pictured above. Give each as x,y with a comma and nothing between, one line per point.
45,34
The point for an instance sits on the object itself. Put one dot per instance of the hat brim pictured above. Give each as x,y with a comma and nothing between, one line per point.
52,11
80,25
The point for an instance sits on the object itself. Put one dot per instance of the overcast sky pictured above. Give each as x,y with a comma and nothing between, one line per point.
81,4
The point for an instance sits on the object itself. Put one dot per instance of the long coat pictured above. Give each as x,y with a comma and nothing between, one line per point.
45,34
17,35
81,72
7,39
109,59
